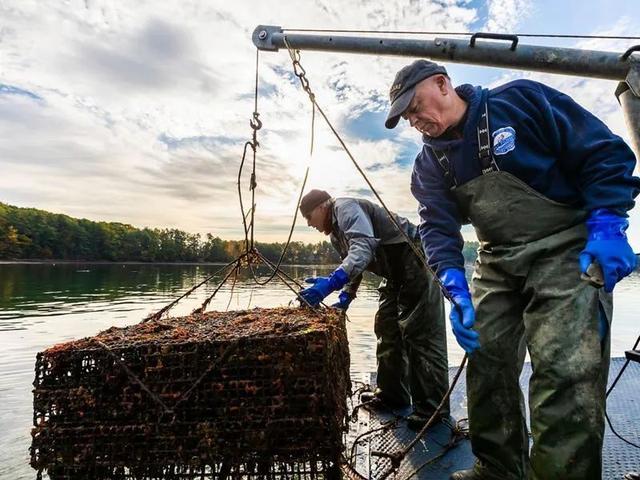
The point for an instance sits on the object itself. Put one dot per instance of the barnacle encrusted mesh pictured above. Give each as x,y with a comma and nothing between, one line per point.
243,394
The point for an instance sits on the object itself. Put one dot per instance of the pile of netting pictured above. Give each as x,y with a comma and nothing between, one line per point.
245,394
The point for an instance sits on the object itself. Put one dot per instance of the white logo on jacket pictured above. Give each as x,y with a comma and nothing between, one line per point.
504,140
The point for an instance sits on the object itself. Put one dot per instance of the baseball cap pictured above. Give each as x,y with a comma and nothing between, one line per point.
311,200
404,87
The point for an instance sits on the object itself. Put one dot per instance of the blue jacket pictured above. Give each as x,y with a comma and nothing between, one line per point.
561,150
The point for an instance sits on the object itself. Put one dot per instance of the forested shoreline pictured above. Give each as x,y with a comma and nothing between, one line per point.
32,234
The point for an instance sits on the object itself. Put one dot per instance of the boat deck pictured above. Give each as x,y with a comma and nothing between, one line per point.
432,459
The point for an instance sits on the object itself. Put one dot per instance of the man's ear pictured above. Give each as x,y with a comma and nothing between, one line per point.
327,210
441,82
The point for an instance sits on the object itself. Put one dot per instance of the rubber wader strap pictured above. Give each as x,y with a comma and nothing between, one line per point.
487,161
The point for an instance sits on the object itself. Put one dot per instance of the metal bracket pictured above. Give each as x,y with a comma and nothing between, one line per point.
625,55
633,76
262,37
633,355
495,36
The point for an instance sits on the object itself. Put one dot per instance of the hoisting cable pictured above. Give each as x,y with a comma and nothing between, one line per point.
242,212
295,213
427,32
613,384
283,276
300,72
204,305
233,286
288,242
250,250
163,310
256,125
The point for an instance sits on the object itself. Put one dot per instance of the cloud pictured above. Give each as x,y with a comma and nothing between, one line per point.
504,16
138,112
10,90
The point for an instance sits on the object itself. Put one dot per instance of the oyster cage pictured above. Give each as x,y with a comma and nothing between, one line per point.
245,394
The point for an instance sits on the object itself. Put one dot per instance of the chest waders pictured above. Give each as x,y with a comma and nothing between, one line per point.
527,290
410,328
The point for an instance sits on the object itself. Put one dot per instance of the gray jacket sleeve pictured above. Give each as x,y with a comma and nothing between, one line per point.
352,287
358,230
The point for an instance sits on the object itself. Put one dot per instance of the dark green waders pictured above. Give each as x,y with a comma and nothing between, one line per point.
527,290
411,330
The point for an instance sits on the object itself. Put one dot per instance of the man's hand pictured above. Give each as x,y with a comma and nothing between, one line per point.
323,286
344,299
462,314
607,244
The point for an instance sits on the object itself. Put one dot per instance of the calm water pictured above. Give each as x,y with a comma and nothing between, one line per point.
41,305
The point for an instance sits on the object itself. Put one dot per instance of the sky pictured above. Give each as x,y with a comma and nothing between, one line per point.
137,112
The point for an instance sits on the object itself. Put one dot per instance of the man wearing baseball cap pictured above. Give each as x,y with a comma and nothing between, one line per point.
547,187
410,322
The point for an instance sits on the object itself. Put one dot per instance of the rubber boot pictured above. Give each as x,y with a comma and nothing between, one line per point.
376,401
464,475
478,472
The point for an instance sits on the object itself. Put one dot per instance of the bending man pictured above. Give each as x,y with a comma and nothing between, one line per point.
409,324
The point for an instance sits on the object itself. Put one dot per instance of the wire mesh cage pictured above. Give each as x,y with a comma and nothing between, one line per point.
246,394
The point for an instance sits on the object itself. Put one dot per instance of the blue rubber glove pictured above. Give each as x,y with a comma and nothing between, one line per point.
462,314
344,299
607,244
323,286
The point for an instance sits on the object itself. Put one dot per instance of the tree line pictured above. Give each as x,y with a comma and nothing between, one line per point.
28,233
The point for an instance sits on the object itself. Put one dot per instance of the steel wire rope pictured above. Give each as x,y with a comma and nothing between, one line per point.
256,124
283,275
233,286
204,305
163,310
287,243
295,215
242,212
250,249
300,72
428,32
